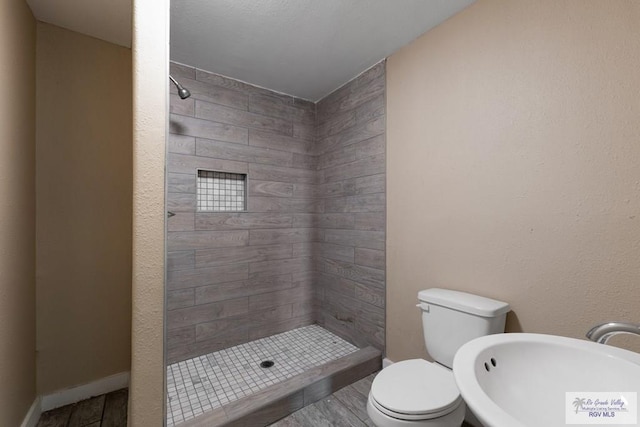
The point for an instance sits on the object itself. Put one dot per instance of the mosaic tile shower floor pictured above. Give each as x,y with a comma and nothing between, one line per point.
203,383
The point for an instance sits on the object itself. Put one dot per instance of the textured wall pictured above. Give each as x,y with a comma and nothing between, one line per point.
513,165
17,221
150,60
83,223
351,169
235,277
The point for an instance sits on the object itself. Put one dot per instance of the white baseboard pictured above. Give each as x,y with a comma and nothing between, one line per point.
85,391
386,362
32,417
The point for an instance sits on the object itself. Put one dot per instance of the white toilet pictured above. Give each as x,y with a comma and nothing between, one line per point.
418,393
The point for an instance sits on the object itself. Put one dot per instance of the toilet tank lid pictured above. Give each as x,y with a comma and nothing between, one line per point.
462,301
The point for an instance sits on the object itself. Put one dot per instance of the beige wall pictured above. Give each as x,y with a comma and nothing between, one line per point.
17,220
150,94
514,165
83,193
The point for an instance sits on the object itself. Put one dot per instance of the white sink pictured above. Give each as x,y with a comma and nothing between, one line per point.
527,376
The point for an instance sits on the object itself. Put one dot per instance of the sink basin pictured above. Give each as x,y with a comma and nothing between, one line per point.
517,379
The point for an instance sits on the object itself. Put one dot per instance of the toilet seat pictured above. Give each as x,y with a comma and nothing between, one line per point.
415,390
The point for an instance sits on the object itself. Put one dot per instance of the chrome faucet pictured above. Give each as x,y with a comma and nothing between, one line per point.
601,333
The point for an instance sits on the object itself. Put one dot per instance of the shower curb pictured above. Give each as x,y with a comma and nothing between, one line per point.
279,400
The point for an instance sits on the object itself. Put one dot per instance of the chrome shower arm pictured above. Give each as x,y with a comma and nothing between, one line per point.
182,92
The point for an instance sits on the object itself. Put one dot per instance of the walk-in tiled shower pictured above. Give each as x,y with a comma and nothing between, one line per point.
291,252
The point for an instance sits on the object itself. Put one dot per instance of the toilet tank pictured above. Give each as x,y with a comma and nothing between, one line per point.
451,319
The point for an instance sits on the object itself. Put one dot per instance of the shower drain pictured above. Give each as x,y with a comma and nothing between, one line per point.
266,363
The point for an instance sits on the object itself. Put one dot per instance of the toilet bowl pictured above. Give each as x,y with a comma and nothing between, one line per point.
415,393
419,393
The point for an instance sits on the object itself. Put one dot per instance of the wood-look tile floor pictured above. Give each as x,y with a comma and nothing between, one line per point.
107,410
346,407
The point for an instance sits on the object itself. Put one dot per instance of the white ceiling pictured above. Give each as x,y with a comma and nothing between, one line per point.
108,20
305,48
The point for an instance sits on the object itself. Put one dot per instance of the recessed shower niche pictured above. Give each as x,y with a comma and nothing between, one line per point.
221,191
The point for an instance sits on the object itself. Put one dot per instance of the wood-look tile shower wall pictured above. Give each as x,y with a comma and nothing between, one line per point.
351,128
235,277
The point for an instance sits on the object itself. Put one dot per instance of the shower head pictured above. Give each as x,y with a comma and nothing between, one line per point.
182,92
